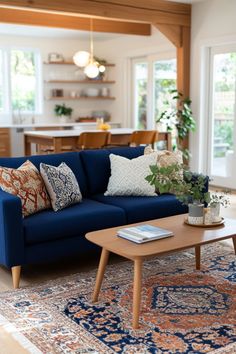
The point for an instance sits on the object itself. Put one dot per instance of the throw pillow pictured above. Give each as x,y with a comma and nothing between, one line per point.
165,158
128,176
61,184
26,183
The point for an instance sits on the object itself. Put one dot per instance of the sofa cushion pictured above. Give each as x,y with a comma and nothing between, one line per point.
97,166
72,159
140,209
89,215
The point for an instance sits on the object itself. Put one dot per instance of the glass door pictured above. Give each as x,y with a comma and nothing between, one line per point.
153,78
222,113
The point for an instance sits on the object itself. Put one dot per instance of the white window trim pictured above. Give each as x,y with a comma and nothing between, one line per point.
206,107
8,114
149,59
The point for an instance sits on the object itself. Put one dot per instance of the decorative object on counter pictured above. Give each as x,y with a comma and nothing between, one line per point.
86,60
55,58
57,92
102,114
63,112
188,187
85,119
178,117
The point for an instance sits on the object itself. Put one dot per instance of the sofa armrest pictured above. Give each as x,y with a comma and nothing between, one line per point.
11,230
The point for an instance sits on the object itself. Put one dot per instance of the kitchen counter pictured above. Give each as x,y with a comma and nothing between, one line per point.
38,125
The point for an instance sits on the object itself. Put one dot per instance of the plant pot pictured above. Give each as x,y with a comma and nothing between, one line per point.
63,119
215,212
196,214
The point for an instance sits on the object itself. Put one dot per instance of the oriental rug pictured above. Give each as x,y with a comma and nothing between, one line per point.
183,310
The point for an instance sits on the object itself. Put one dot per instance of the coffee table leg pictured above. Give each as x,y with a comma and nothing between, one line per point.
198,257
101,270
137,291
234,242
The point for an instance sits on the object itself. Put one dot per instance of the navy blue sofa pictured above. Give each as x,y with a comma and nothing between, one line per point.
49,235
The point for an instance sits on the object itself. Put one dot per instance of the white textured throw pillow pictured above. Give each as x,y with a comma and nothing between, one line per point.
128,176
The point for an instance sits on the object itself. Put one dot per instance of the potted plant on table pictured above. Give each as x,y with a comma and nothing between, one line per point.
217,200
188,187
63,112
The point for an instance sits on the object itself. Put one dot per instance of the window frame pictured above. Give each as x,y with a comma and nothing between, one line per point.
150,60
6,116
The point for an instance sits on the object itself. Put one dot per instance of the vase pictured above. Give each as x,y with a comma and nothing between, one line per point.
63,119
196,213
215,212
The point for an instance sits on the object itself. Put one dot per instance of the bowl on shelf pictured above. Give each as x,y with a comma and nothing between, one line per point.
92,92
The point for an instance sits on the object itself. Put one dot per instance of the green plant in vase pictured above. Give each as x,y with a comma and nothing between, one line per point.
63,112
218,199
188,187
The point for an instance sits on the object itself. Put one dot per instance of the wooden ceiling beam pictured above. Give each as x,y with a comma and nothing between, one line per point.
144,11
172,32
25,17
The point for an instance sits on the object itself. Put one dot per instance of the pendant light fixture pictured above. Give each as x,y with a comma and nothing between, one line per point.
85,59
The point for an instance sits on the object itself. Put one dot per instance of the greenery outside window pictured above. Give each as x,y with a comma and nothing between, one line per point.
20,82
25,81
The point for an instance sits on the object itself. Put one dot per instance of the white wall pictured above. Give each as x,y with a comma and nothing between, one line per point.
117,50
213,23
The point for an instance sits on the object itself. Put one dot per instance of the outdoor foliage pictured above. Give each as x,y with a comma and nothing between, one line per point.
179,117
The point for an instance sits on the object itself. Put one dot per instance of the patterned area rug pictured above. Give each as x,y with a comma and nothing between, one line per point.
183,310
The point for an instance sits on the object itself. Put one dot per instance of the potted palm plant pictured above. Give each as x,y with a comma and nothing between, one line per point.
63,112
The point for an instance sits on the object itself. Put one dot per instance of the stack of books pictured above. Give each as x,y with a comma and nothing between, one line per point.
144,233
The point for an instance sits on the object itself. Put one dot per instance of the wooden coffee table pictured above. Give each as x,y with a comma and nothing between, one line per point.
185,236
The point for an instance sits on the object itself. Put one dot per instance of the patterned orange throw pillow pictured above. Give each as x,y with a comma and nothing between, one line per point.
26,183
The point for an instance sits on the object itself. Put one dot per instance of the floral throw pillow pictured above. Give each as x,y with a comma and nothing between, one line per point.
61,184
26,183
166,158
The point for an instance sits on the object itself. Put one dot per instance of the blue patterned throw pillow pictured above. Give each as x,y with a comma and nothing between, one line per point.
61,185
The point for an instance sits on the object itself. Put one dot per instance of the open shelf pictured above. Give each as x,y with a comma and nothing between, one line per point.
80,98
79,81
69,63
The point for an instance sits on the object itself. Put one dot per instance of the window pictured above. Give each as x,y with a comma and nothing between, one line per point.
22,70
153,79
222,116
164,81
140,95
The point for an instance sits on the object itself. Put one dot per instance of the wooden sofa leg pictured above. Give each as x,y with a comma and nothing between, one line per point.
15,271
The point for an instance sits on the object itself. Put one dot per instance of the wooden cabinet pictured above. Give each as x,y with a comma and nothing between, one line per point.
5,144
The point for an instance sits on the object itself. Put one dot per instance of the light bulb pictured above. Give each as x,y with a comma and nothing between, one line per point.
102,68
91,70
81,58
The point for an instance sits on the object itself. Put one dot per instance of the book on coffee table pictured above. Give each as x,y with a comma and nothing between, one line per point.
144,233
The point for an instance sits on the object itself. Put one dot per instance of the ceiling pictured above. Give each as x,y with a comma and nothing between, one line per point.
37,31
